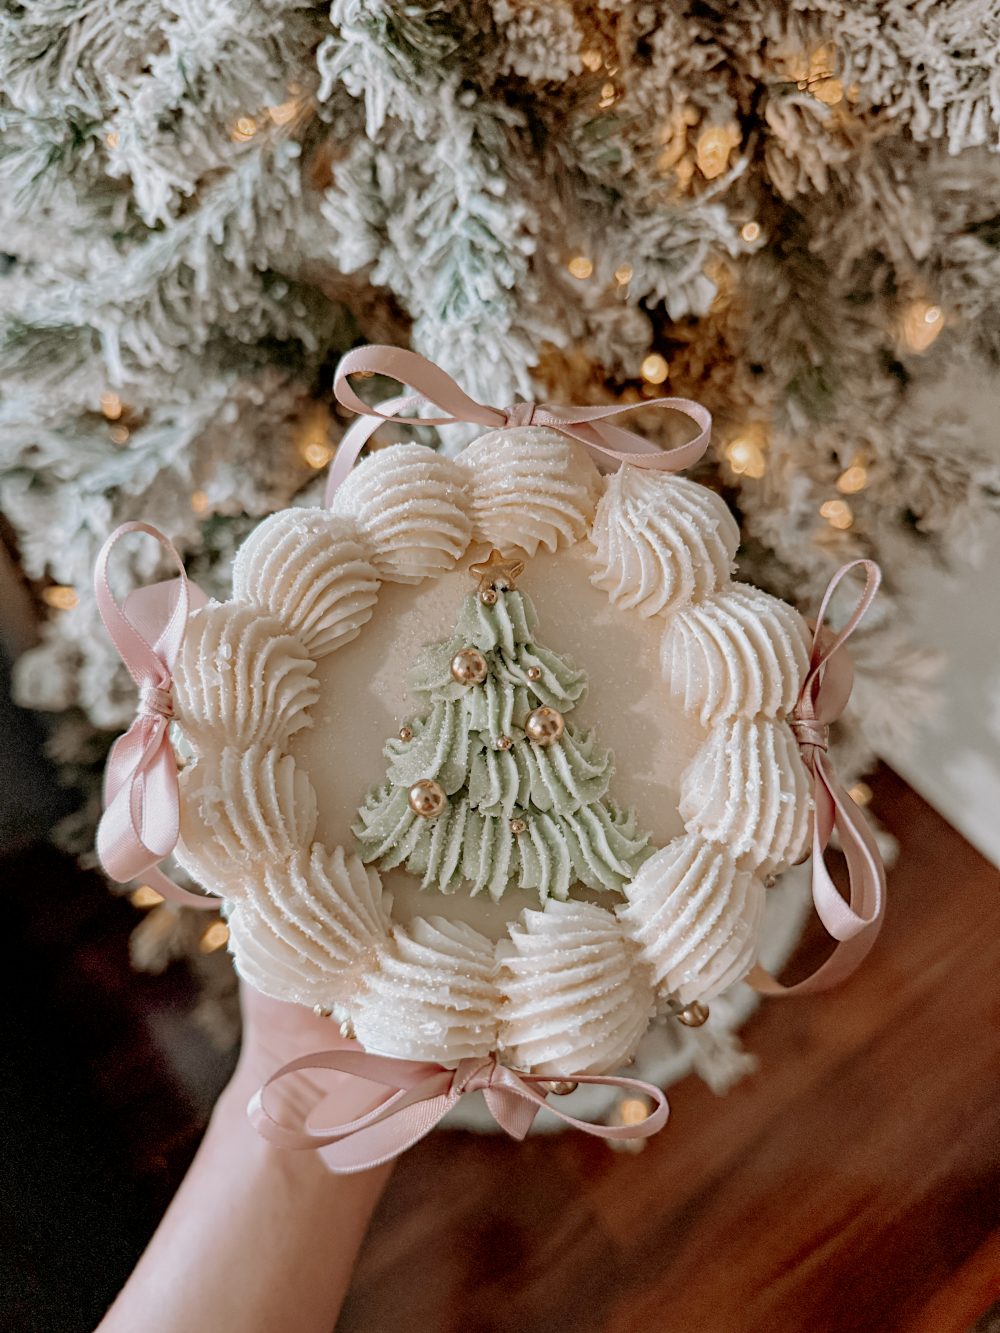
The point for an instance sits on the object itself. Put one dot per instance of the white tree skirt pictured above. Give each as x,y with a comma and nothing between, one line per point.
670,1051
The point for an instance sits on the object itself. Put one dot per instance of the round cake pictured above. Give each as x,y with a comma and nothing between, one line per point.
492,756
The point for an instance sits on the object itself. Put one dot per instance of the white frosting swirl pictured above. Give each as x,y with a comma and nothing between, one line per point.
748,789
576,999
740,651
409,503
240,679
530,487
433,996
313,929
696,918
241,808
661,540
310,570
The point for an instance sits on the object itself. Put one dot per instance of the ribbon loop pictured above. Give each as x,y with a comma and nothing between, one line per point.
825,690
141,820
420,1096
432,388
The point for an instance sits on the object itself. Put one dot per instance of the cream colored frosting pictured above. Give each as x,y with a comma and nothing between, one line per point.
409,503
241,809
696,918
313,930
529,487
311,570
433,995
740,651
576,997
241,678
660,540
572,988
748,788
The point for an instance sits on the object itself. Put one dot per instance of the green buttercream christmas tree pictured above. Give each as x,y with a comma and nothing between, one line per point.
490,786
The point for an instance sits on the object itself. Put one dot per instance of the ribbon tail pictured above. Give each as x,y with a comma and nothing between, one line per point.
388,1138
512,1109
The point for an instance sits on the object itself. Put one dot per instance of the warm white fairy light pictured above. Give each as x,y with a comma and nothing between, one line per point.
111,405
655,368
838,514
200,503
853,479
592,60
713,148
145,896
745,452
214,937
750,231
243,129
60,597
624,274
921,323
112,139
580,267
633,1110
860,793
118,434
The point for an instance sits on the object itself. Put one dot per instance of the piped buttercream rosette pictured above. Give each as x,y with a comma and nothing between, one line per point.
572,986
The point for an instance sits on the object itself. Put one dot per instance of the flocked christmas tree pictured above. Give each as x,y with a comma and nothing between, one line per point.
491,785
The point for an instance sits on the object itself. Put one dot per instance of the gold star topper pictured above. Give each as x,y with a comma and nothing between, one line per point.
499,573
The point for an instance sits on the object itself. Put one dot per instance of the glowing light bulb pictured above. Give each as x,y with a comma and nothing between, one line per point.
838,514
317,453
244,128
655,368
111,405
860,793
112,139
581,267
145,896
633,1110
853,479
60,597
921,324
750,231
200,502
118,434
592,60
214,937
745,452
623,274
713,148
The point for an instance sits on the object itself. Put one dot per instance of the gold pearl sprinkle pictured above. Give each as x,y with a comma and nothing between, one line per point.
534,673
503,742
321,1011
347,1030
406,733
694,1015
517,826
559,1087
488,596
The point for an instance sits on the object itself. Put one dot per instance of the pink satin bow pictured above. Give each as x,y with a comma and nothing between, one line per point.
141,820
855,924
422,1095
589,426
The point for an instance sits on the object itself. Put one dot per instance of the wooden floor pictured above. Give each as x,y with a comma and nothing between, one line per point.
852,1185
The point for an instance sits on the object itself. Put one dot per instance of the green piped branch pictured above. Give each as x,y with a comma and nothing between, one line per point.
491,786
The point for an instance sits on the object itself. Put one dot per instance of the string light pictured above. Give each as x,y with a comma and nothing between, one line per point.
623,274
713,148
750,231
60,597
655,368
284,111
244,128
214,937
745,452
145,896
853,479
633,1110
200,502
838,514
608,95
592,60
921,324
112,139
119,434
580,267
111,405
313,440
860,793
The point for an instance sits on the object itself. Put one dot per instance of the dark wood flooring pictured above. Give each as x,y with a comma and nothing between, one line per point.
852,1185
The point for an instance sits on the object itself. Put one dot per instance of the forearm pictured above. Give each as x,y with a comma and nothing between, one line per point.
257,1240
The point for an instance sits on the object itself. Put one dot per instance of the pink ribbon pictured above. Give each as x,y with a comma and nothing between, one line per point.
590,426
141,820
421,1096
855,924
